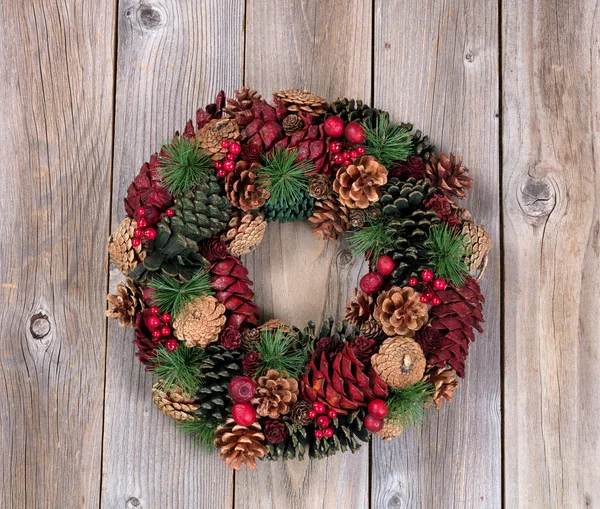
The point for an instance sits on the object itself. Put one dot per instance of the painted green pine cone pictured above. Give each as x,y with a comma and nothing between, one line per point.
399,198
352,110
299,211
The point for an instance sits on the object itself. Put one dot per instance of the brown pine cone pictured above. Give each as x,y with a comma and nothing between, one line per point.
358,184
448,175
275,394
213,133
245,232
126,303
240,445
275,323
444,381
391,428
174,404
400,312
320,186
291,124
250,338
241,108
480,245
359,310
330,219
400,362
299,413
297,100
122,251
358,217
200,321
242,188
372,329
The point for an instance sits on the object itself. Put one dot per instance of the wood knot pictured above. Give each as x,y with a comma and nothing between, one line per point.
132,502
150,18
345,257
536,196
395,500
39,326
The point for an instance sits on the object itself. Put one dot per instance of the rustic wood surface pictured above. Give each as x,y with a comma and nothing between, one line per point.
91,89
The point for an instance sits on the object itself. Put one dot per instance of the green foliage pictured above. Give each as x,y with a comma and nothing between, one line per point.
284,178
281,351
407,404
183,165
373,238
180,368
171,296
201,431
448,250
388,142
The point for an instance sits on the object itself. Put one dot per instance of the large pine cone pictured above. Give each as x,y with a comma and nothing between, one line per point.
275,394
444,382
126,303
358,185
245,233
243,189
480,245
174,404
400,362
213,133
400,311
330,219
240,445
200,321
360,309
297,100
448,175
122,251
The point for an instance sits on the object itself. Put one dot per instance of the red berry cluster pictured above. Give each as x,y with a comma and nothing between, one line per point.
144,230
343,153
373,281
158,325
241,390
323,420
429,284
376,412
232,149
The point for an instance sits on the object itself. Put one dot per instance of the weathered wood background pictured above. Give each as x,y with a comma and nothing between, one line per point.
91,88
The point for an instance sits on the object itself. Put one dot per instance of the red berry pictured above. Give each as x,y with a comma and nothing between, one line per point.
230,157
170,212
439,284
154,310
229,166
345,155
318,434
225,144
385,265
335,147
141,212
347,162
166,317
137,232
378,408
371,282
328,432
319,407
241,389
373,424
338,159
361,150
150,233
171,345
412,281
221,172
312,414
353,154
323,421
136,242
429,295
156,334
332,414
165,330
436,301
243,414
427,275
218,164
424,299
354,133
334,126
142,223
153,322
235,148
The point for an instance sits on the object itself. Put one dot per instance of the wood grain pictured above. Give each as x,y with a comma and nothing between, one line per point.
436,65
168,64
551,65
297,277
56,78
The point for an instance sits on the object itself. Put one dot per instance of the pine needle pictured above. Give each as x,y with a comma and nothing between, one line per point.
282,352
284,178
171,296
180,368
448,251
183,165
372,238
202,432
387,142
407,405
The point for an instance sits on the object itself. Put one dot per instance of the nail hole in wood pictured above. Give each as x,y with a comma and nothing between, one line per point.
469,57
39,326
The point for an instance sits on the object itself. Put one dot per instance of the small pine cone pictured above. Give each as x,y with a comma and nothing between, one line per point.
250,338
242,188
358,184
391,428
320,186
241,108
330,219
371,329
480,245
275,394
400,311
121,249
364,348
444,381
275,431
230,338
299,413
213,133
297,100
174,404
245,233
448,175
359,310
276,323
250,362
358,217
213,249
400,362
126,303
429,339
200,321
240,445
292,123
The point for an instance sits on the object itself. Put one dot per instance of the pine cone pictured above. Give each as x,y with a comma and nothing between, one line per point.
413,167
294,446
391,428
400,198
251,362
400,312
275,431
329,346
299,413
200,321
250,338
480,245
240,445
126,303
400,362
296,100
349,433
330,220
213,249
364,348
421,144
444,208
245,233
371,329
275,394
352,110
121,249
444,381
358,217
230,338
448,175
302,209
174,404
358,185
242,107
213,133
242,188
275,323
291,124
359,310
319,186
429,339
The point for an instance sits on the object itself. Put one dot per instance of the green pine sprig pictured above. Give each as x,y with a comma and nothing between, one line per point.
282,352
407,405
202,432
285,179
448,251
171,296
183,165
373,238
179,368
387,142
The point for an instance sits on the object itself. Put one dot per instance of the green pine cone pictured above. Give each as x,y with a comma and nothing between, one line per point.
421,145
301,210
349,433
294,446
352,110
400,198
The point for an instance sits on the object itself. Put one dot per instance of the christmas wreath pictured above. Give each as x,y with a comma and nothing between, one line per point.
274,391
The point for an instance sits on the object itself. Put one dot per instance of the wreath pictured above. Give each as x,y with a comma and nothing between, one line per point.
274,391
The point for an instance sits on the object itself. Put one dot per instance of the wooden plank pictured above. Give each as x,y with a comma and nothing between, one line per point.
551,121
168,64
56,78
436,64
297,277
